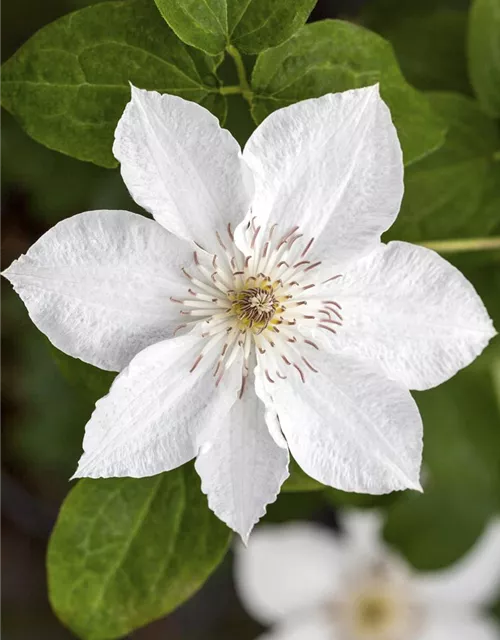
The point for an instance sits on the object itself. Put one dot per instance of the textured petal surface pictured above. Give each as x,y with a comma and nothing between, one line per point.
181,166
458,626
331,166
157,413
474,580
314,626
242,468
99,285
411,312
287,570
350,427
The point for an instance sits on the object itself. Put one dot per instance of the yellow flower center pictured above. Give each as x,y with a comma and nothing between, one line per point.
254,306
375,614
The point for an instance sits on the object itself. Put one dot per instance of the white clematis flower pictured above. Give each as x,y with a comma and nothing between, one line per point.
259,313
311,584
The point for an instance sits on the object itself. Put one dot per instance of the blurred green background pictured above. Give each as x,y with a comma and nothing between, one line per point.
44,413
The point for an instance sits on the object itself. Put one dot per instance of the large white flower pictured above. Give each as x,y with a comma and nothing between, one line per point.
311,584
259,313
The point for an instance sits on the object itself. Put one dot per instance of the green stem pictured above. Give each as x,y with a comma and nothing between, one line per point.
242,74
463,246
230,90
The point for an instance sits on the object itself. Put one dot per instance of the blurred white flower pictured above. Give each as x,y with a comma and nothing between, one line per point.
311,584
259,313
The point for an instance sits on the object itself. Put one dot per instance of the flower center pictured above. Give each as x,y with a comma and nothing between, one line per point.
254,307
375,614
265,304
378,605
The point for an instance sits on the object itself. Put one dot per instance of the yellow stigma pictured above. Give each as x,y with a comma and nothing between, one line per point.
255,306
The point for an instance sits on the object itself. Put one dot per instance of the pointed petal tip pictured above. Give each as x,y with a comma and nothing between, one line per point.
75,476
7,272
244,538
416,486
136,92
374,87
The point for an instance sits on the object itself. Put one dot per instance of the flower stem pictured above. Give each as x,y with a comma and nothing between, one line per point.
463,245
244,87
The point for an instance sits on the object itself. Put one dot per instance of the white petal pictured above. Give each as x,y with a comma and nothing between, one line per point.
318,625
363,529
157,413
412,312
242,468
99,285
331,166
473,580
181,166
459,626
287,570
350,427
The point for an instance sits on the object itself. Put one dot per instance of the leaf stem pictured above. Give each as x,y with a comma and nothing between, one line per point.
463,245
244,87
230,90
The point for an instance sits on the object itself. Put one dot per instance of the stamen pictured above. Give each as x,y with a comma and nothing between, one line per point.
312,344
243,303
322,326
220,241
309,364
308,246
330,279
196,363
252,243
313,266
301,373
181,326
268,376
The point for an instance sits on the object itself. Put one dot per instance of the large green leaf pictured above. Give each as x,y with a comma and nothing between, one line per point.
249,25
429,39
455,191
126,551
68,85
461,473
484,53
331,56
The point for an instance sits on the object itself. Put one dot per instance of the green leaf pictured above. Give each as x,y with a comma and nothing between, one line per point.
332,56
304,505
300,481
429,40
484,53
454,192
341,499
126,551
249,25
461,473
68,85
